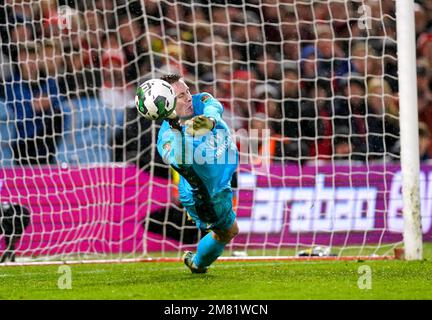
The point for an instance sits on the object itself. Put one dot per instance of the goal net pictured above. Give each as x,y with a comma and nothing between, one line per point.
309,90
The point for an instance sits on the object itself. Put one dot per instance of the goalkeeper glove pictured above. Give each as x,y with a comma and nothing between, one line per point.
199,125
174,124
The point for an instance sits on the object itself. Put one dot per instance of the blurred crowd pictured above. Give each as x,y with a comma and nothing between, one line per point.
320,76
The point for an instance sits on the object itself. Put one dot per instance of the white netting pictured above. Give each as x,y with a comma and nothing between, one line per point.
319,76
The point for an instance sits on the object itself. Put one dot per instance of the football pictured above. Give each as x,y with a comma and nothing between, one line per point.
155,99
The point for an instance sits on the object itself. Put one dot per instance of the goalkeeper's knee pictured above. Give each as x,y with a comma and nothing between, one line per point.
226,236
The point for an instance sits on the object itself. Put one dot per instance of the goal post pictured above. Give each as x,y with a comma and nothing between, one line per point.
320,97
408,113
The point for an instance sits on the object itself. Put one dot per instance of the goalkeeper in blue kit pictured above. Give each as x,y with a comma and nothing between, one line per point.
198,145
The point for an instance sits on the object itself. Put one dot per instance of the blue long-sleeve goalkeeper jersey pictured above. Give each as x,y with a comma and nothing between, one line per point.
205,163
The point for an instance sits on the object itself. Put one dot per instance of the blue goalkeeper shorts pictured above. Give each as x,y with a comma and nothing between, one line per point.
215,213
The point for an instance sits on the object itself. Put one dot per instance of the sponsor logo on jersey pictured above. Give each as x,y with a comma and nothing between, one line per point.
205,97
167,146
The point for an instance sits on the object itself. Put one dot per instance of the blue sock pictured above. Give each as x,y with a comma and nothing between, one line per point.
209,249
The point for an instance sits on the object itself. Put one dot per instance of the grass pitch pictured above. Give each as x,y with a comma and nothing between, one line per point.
391,279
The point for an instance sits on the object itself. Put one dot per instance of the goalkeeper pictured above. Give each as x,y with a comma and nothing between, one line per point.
197,144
